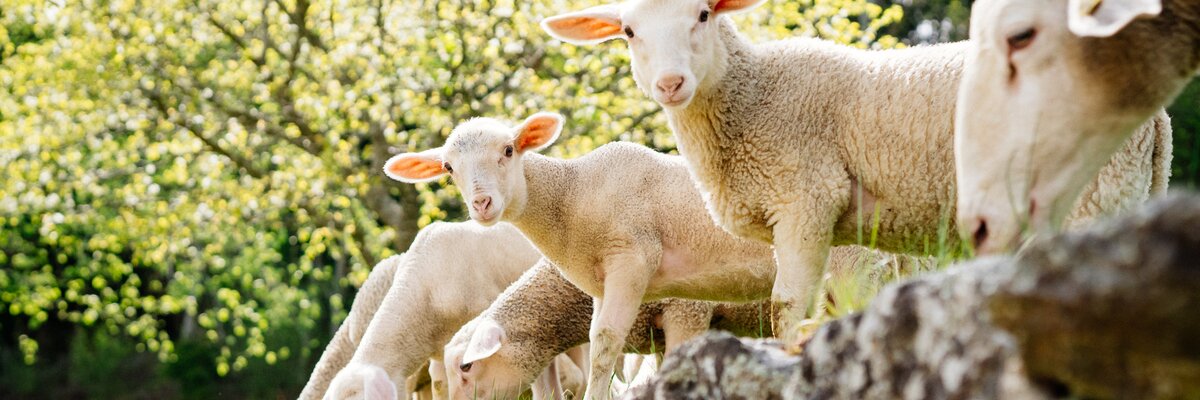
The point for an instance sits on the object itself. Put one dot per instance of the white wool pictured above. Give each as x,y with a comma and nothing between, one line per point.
1050,91
421,308
799,142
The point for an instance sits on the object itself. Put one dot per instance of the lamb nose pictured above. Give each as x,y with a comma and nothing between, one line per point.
481,203
670,84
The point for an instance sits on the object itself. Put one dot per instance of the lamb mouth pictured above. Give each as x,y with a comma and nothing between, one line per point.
487,220
675,103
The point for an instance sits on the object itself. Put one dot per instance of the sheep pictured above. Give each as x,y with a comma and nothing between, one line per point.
803,143
1051,88
543,314
341,347
642,237
421,309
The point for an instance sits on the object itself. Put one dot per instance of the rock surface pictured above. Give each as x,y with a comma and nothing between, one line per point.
1112,312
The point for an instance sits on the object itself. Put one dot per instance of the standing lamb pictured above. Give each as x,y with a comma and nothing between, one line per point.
422,309
1050,90
804,143
542,313
641,237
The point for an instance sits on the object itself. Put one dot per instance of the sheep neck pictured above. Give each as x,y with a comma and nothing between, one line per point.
542,315
1155,58
699,127
412,343
542,214
1186,15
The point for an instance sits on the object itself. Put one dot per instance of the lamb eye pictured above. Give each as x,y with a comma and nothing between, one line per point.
508,151
704,16
465,367
447,167
629,32
1022,40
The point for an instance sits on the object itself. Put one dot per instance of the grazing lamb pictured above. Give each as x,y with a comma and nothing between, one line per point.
543,314
422,309
345,340
804,143
641,237
1050,90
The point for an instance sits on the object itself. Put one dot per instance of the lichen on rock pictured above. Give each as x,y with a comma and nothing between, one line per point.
1104,313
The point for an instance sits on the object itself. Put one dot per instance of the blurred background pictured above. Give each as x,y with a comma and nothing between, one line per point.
190,190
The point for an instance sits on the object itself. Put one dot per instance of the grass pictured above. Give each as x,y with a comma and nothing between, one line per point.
851,284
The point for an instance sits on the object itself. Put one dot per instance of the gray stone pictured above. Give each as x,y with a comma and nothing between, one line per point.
1110,312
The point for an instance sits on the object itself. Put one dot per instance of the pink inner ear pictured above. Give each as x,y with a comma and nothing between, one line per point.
415,168
537,132
380,387
585,27
733,5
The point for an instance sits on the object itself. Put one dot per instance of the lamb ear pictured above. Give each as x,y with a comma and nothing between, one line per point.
1104,18
538,131
589,26
733,6
415,167
379,387
485,342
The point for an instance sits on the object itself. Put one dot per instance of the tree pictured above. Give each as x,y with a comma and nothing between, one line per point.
207,173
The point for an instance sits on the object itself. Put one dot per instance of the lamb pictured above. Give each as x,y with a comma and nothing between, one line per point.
1050,90
501,350
803,143
542,313
639,238
421,309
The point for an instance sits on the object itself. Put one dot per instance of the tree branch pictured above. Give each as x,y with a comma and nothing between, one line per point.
160,104
401,216
260,60
637,121
299,18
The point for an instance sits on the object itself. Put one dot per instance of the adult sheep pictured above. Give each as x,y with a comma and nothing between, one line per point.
804,143
1050,91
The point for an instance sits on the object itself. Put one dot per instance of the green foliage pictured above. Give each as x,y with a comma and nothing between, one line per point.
932,21
1185,119
192,192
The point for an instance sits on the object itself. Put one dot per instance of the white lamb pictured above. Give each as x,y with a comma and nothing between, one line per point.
349,334
451,272
1051,89
625,240
804,143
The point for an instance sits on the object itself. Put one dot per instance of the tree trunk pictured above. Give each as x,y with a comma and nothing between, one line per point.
399,215
1105,313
